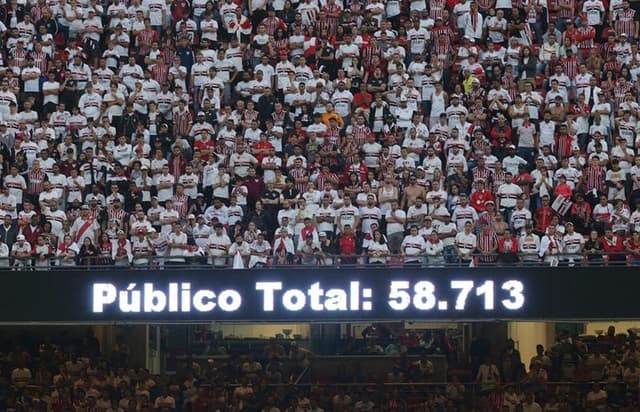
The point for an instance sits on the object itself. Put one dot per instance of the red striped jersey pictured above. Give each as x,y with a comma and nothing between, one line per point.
618,93
436,7
481,173
594,178
570,65
360,134
487,240
36,180
299,173
116,214
566,13
326,23
272,23
182,122
181,204
40,60
587,33
625,22
20,56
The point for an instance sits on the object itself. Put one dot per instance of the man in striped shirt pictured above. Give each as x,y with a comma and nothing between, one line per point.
594,177
36,178
626,21
487,244
300,176
181,202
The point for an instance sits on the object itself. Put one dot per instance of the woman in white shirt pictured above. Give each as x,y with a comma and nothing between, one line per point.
378,251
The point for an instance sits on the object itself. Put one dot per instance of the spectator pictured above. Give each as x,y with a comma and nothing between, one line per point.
377,250
488,375
594,249
67,251
613,246
87,254
465,244
347,245
21,252
510,363
413,247
508,248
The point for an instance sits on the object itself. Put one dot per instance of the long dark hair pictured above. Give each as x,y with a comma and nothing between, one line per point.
382,238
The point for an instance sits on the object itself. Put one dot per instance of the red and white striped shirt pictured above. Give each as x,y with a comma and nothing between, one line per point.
182,122
587,34
36,180
116,214
41,61
625,22
594,178
181,204
299,173
360,135
566,13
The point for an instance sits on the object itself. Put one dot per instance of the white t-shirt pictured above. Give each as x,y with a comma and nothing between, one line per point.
413,247
466,242
167,193
395,227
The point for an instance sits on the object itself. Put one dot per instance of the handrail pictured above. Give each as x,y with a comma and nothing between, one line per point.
343,261
301,376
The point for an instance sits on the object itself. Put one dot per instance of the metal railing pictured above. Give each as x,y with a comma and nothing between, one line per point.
401,396
319,262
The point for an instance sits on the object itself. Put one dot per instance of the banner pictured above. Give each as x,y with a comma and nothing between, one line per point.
319,295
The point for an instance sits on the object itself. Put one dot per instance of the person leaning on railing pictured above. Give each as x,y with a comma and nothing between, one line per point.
88,252
21,251
593,249
613,245
632,246
434,250
508,247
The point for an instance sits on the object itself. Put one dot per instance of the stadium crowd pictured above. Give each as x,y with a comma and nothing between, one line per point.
574,374
278,132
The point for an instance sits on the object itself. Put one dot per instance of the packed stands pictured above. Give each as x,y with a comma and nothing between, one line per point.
588,373
279,132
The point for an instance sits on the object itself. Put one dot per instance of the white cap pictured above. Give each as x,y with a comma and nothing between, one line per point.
20,237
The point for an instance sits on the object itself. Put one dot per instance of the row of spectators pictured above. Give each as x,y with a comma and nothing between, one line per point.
445,238
78,377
